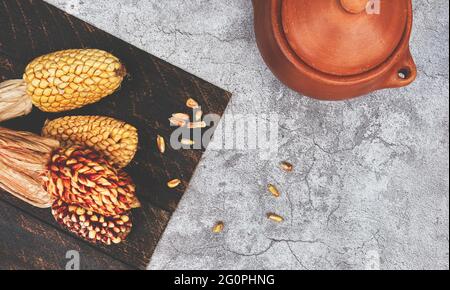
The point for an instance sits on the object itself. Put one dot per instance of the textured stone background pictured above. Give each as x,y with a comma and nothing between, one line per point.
371,184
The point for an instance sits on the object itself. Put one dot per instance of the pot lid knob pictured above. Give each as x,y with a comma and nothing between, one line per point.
354,6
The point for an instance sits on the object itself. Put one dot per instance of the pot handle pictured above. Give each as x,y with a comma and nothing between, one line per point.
403,73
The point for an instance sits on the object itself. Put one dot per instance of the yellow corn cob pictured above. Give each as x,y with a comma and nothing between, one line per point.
70,79
65,80
115,139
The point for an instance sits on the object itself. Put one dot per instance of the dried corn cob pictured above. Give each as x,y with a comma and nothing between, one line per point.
116,140
77,175
22,162
64,80
90,226
89,197
81,176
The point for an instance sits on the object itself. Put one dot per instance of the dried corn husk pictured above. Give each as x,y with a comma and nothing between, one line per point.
14,101
23,158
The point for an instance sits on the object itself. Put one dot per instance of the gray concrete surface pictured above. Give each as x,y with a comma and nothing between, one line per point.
371,184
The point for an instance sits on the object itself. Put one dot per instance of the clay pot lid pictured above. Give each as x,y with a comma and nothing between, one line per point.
343,37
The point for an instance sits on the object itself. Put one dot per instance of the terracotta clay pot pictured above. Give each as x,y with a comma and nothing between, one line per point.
336,49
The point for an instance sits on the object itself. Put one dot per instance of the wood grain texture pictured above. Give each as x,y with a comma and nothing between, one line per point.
27,243
149,223
152,91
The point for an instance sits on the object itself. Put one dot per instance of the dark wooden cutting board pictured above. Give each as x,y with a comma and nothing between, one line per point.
153,90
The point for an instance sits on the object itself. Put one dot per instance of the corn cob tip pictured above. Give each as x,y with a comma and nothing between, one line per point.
122,71
136,203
